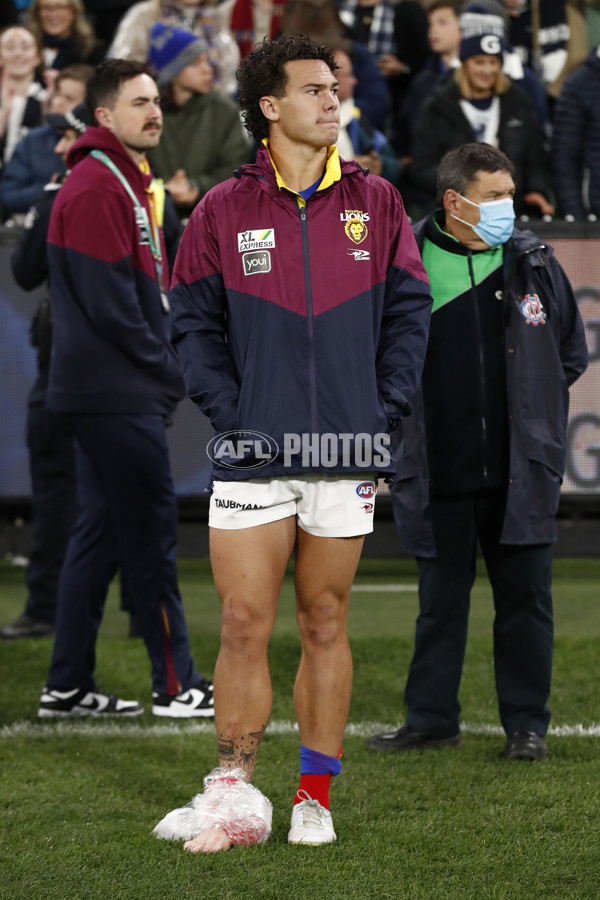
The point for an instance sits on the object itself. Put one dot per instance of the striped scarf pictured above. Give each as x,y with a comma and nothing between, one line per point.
381,34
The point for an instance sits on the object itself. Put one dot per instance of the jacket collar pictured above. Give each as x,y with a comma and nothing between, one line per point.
103,139
520,243
264,168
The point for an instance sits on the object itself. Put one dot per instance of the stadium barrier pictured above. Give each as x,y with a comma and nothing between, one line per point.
577,246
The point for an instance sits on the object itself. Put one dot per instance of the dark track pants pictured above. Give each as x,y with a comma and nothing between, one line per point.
127,512
54,506
521,578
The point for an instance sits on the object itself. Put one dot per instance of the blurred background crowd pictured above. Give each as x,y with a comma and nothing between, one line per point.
417,78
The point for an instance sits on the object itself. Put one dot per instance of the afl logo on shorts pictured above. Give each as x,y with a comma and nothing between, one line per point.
366,490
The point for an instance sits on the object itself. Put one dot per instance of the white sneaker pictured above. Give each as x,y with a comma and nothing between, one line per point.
311,823
198,702
80,702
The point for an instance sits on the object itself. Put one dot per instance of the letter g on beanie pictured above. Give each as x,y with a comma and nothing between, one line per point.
172,49
482,33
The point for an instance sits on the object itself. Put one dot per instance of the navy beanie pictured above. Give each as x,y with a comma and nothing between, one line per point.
77,118
482,33
172,49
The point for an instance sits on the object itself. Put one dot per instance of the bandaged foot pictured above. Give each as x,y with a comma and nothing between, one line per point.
210,841
229,812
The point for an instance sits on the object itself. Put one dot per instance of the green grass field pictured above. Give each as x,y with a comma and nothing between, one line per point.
79,799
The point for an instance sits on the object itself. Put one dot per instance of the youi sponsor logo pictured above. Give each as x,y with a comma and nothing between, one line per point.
242,449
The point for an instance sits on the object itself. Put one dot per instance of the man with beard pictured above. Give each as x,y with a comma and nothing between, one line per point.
114,374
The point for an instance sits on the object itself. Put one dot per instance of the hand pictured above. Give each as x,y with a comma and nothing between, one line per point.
181,190
536,199
50,76
390,65
6,101
371,161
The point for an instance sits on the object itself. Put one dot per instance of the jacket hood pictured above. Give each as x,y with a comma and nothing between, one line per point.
263,167
103,139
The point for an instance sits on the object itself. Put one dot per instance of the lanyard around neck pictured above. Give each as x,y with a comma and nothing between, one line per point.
153,237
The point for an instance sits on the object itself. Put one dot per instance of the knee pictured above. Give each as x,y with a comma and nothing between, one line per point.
322,624
242,625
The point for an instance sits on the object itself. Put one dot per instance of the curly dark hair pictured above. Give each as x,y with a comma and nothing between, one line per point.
262,74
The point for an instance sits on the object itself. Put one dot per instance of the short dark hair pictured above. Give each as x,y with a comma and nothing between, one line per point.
262,74
455,5
77,72
105,84
460,167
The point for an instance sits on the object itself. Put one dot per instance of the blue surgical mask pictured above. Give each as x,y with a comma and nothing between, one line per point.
496,220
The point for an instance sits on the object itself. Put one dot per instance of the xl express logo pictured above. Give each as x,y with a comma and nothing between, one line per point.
261,239
242,449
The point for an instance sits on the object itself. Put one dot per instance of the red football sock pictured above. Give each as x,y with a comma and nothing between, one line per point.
316,786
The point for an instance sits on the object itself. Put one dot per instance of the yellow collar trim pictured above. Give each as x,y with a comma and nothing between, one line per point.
333,170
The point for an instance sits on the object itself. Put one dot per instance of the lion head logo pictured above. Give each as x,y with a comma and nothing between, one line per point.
356,230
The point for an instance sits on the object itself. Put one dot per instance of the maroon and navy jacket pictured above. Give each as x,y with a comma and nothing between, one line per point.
300,318
111,350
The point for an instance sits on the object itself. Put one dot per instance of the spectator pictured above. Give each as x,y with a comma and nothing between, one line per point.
67,38
482,457
49,436
358,139
114,374
480,103
21,94
202,140
252,21
549,37
132,40
320,20
35,161
446,29
576,146
396,34
444,36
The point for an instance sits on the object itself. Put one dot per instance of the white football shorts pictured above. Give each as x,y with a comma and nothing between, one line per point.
325,505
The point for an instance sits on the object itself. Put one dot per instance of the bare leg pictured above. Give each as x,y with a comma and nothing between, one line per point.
325,569
248,568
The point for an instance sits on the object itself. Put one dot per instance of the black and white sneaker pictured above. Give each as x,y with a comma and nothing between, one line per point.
198,702
80,702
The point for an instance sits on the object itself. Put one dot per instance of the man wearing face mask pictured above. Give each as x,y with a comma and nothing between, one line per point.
505,344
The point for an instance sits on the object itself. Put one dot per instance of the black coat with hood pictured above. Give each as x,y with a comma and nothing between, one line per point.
442,126
542,361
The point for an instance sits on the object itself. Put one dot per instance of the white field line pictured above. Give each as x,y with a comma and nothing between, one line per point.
104,728
382,588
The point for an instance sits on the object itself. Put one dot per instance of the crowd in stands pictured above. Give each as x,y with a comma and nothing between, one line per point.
417,78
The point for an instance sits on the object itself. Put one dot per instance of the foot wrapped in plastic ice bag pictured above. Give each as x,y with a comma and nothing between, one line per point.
228,802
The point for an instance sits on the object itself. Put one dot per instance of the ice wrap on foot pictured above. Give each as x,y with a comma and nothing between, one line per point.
228,802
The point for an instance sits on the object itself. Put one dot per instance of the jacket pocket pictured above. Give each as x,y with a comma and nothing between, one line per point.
543,411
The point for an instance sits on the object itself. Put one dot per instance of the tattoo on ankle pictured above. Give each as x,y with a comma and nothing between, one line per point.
225,749
241,750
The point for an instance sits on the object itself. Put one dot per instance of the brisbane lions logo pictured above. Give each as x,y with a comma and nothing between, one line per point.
356,230
532,310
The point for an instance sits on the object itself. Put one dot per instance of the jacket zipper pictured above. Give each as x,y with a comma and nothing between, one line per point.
310,325
481,366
